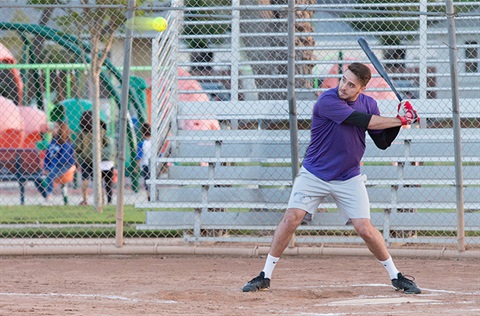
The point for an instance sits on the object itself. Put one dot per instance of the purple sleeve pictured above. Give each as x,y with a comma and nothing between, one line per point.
373,108
333,108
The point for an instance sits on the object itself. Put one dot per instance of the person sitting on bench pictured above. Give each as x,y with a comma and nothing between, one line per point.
59,158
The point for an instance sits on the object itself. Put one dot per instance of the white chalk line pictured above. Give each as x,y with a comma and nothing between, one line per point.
382,301
109,297
473,311
385,285
432,297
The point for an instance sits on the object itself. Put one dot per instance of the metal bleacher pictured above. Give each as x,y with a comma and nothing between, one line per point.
238,179
250,170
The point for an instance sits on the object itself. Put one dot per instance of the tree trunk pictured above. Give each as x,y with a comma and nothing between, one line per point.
97,174
34,89
269,55
95,70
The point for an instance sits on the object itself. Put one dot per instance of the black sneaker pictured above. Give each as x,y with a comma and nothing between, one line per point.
406,285
260,283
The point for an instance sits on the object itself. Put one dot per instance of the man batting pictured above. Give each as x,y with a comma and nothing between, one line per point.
341,117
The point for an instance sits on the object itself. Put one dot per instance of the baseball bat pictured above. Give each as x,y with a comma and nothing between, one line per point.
378,66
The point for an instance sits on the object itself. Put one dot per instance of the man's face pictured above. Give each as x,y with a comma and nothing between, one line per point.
350,86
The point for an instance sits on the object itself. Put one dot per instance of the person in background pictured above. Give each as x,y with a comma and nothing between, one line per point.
143,155
59,158
107,164
84,151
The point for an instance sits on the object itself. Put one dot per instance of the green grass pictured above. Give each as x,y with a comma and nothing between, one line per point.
29,214
64,219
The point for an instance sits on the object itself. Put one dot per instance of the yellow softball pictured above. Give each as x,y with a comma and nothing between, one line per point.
159,24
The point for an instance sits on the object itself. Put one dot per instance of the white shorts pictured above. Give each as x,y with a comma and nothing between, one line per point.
350,195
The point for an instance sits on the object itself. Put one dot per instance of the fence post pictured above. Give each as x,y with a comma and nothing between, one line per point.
123,127
291,88
423,63
456,126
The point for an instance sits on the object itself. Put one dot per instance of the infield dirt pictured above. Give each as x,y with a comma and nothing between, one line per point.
211,285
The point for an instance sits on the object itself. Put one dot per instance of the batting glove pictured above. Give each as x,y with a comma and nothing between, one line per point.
407,114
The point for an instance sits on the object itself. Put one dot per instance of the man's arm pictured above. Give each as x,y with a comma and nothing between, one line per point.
406,115
389,126
382,140
382,122
372,122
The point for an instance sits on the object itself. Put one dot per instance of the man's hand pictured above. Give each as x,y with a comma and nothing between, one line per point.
407,114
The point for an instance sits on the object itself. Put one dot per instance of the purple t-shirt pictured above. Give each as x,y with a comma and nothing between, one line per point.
336,149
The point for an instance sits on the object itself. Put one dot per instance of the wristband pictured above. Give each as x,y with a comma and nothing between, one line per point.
403,120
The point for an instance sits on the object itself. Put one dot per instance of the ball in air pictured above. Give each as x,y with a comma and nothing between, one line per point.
159,24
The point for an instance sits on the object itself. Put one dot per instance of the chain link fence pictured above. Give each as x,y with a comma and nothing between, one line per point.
218,119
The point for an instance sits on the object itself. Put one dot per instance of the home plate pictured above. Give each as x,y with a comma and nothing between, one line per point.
381,301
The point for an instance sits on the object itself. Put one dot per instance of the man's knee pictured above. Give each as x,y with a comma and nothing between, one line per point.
364,228
293,217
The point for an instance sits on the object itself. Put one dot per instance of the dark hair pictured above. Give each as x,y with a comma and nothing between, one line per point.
362,72
86,121
145,130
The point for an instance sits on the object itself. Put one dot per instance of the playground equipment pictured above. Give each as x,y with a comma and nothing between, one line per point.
71,111
35,121
11,85
82,51
12,125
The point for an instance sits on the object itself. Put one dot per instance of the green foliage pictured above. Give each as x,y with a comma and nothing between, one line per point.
100,21
19,16
103,21
206,17
457,8
55,54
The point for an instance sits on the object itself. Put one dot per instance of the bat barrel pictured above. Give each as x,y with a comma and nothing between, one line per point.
378,66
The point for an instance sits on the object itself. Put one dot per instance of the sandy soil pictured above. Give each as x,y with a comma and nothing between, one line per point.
206,285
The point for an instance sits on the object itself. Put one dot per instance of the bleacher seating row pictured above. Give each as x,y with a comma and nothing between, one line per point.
251,169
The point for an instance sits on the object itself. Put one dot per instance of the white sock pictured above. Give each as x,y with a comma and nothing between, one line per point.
391,269
269,266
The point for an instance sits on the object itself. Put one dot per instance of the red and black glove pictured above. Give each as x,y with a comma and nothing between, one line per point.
407,114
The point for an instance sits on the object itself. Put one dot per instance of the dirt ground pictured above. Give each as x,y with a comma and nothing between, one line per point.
211,285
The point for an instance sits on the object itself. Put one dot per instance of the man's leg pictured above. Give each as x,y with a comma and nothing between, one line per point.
372,237
38,184
283,233
306,194
87,174
285,229
107,176
84,192
146,177
375,243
